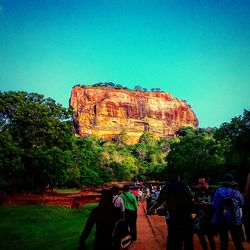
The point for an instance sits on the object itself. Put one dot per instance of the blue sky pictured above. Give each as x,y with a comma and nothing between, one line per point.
197,50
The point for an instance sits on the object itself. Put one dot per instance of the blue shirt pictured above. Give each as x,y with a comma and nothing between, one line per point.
227,192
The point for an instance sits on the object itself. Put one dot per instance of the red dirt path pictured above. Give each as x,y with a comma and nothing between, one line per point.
152,233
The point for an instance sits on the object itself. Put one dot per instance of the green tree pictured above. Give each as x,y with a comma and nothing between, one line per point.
235,138
122,138
196,156
122,165
87,155
187,130
36,127
11,165
138,88
151,156
148,139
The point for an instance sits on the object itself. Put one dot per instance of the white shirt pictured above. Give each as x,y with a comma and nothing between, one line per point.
118,202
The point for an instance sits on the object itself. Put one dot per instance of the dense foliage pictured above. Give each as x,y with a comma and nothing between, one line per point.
38,149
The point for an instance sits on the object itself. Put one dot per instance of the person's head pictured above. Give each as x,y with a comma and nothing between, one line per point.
126,188
173,174
228,181
106,196
115,190
203,184
202,181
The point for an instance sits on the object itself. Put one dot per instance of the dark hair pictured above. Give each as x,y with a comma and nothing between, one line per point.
106,196
115,190
173,173
126,188
228,181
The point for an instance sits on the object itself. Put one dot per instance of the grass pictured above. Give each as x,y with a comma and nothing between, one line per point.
68,191
39,227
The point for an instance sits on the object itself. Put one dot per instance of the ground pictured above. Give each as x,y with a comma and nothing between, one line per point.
152,233
151,230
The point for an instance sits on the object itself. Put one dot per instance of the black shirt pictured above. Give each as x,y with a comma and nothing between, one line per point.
179,201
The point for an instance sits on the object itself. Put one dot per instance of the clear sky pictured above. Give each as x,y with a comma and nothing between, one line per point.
197,50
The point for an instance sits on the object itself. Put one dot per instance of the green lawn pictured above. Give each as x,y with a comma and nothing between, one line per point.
31,227
68,191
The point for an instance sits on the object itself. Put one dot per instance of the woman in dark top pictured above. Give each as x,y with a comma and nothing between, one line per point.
103,216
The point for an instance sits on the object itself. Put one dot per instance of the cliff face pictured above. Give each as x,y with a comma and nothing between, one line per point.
105,112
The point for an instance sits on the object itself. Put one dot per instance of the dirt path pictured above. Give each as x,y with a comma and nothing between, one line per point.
152,233
146,237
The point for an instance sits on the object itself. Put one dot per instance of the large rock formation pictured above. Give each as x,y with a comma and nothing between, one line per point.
105,112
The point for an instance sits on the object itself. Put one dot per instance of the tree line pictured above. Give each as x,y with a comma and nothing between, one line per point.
39,150
119,86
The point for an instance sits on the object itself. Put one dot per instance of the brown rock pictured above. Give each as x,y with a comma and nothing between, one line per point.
105,112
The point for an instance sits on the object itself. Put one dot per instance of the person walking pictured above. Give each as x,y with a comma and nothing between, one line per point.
246,209
204,227
118,203
148,199
227,216
103,216
179,203
131,206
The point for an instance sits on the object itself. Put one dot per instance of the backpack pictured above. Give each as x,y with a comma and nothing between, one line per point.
228,210
118,211
121,234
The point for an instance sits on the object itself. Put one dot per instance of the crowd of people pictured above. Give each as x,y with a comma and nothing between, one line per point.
202,210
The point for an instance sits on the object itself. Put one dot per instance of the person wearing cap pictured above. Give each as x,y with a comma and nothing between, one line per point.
228,191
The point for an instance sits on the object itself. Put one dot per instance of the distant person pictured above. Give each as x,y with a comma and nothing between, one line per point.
148,199
153,198
131,206
227,216
157,192
103,216
204,227
246,209
140,195
179,203
136,193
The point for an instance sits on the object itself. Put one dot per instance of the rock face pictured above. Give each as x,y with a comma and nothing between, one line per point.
105,112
